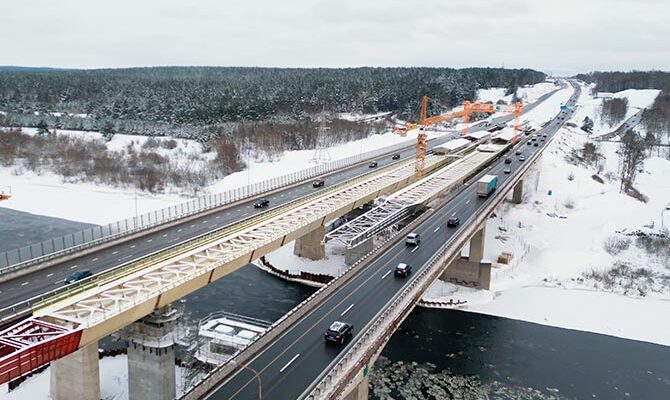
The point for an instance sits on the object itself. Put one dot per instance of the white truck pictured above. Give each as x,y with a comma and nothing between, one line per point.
486,185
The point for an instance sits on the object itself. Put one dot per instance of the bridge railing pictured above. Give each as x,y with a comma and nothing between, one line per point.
36,253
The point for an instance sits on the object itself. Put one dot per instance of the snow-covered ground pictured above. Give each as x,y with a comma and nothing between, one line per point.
528,94
558,240
113,382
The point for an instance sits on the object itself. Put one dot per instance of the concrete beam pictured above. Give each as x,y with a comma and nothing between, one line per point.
77,375
517,194
311,245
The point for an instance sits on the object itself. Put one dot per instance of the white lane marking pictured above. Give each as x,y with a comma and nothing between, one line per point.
149,240
204,222
217,217
58,282
125,258
25,283
389,271
73,267
437,229
453,214
193,226
95,259
348,308
179,230
133,246
212,226
51,274
415,249
468,202
165,235
289,363
115,252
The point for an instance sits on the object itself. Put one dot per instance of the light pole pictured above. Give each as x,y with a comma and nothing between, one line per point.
260,386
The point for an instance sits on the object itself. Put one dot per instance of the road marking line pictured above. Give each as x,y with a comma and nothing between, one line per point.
415,249
57,282
165,235
212,226
51,274
193,226
453,214
179,230
115,252
289,363
25,283
437,229
133,246
389,271
468,202
95,259
348,308
217,217
73,267
149,240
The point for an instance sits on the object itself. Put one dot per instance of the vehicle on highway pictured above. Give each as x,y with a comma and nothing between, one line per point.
261,203
78,275
339,332
373,164
529,143
522,158
508,161
507,170
486,185
536,144
413,239
518,152
395,157
543,139
453,222
318,182
403,270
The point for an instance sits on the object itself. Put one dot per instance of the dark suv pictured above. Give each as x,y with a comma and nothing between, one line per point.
318,183
453,222
261,203
395,157
78,275
339,332
403,270
373,164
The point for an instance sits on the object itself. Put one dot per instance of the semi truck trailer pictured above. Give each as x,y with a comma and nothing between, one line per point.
486,185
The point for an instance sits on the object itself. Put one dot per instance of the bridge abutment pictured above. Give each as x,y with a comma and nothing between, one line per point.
151,358
77,375
311,245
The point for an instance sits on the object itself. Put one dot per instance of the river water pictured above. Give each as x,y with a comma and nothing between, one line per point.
450,354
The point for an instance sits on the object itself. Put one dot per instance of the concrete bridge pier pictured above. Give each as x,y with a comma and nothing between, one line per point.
311,245
357,252
77,375
151,358
472,269
517,193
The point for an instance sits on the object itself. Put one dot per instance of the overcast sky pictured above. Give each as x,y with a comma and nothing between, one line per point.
560,36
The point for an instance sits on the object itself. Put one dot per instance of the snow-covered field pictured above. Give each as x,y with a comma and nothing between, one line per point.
528,94
559,239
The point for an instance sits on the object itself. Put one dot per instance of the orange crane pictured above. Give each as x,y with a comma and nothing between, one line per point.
468,108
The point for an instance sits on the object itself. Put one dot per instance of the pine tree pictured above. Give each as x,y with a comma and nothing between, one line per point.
107,131
587,125
42,128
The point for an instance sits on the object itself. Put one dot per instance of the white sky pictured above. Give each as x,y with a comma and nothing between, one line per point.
560,36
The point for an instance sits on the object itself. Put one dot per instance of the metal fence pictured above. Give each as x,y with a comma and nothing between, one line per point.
36,253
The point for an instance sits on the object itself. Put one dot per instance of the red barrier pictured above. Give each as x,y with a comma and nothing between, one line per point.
32,344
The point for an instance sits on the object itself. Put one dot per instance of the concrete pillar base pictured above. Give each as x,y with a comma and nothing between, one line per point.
361,391
357,252
477,245
311,245
517,194
77,375
468,272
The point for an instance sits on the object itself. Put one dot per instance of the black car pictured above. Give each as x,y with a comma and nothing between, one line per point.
529,143
518,152
261,203
78,275
508,161
403,270
536,144
318,183
373,164
339,332
453,222
395,157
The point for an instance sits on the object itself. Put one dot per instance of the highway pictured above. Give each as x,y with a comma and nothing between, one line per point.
287,367
40,282
630,123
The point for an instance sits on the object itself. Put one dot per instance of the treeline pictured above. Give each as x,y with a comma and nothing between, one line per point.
656,119
200,101
614,110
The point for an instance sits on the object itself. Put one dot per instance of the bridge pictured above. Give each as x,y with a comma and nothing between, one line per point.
72,319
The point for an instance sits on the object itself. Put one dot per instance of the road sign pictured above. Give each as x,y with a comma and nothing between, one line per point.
549,192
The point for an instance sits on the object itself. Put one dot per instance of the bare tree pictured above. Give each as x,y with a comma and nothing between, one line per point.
631,158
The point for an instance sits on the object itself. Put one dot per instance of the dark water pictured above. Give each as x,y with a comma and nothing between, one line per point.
19,228
440,354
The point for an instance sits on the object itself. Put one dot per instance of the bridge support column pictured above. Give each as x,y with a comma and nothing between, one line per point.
471,270
360,392
517,194
151,360
77,375
311,245
357,252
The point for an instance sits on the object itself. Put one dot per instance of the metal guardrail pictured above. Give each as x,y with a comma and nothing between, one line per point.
36,253
158,256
